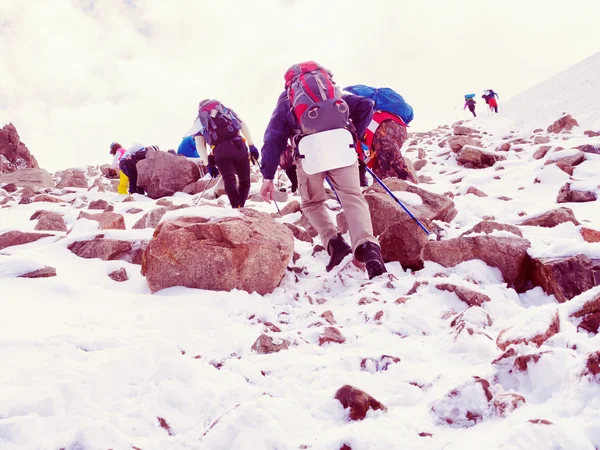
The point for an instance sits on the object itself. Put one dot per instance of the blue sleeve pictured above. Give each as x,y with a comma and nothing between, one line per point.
279,130
361,112
188,148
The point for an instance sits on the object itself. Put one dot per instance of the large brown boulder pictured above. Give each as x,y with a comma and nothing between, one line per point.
588,315
357,401
569,195
475,158
249,252
152,218
489,226
106,220
162,174
385,211
28,177
109,249
566,277
565,123
404,241
74,178
461,130
507,254
51,221
458,142
552,218
11,238
14,155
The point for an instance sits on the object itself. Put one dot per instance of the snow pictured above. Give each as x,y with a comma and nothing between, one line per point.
95,364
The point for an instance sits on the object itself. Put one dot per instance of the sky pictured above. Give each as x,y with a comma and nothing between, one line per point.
77,75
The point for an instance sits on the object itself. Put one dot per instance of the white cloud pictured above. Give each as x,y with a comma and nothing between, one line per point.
79,74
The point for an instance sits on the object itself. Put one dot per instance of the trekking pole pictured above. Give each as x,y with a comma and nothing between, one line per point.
277,206
375,177
205,188
333,189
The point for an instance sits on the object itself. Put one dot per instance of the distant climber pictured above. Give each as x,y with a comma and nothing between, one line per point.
490,98
470,103
118,151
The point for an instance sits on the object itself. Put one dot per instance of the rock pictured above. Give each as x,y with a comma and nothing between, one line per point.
404,241
565,123
197,187
74,178
385,211
489,226
568,195
566,277
465,405
469,296
419,164
14,155
552,218
526,332
503,404
589,315
473,190
587,148
507,254
100,204
51,221
109,249
11,238
589,235
28,177
328,316
568,163
357,401
476,158
119,275
25,201
225,254
299,233
541,140
592,366
45,272
461,130
152,218
456,143
107,220
10,187
164,202
331,334
266,344
108,171
47,198
504,147
291,208
380,364
162,174
541,152
134,211
591,133
420,155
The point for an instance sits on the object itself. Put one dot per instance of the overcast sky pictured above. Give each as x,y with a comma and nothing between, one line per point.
76,75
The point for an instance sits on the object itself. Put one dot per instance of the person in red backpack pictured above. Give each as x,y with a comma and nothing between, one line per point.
222,130
312,104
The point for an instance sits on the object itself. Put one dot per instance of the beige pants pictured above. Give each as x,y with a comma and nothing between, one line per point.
346,184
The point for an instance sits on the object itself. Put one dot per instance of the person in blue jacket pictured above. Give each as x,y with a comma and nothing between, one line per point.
187,148
345,180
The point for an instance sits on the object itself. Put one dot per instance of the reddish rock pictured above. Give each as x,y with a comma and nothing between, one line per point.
553,328
109,249
404,241
489,226
74,178
565,123
566,277
591,133
225,254
385,211
291,208
165,426
299,233
28,177
10,187
469,296
567,195
461,130
152,218
266,344
589,235
552,218
328,316
331,334
162,174
507,254
466,405
11,238
540,421
47,198
14,155
45,272
134,211
119,275
357,401
51,221
107,220
380,364
197,187
541,140
25,201
504,147
421,154
592,366
475,158
521,362
456,143
419,164
473,190
573,160
541,152
587,148
504,404
164,202
100,204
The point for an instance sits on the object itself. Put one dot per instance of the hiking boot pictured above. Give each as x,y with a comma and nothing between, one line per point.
338,250
370,254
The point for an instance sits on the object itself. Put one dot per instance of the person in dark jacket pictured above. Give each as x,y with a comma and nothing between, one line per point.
470,102
345,180
490,98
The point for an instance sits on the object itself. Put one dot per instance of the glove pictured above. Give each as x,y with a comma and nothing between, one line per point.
254,154
211,166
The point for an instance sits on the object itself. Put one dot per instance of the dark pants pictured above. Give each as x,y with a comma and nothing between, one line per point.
231,158
473,111
128,167
292,175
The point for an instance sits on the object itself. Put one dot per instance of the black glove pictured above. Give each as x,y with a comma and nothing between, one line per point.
212,167
254,154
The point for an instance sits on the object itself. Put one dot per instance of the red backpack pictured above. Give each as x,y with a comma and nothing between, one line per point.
316,100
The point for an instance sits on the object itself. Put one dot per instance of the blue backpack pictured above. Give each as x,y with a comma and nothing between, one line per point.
386,99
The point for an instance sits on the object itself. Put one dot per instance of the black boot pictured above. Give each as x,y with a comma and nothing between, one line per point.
362,176
370,254
338,250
